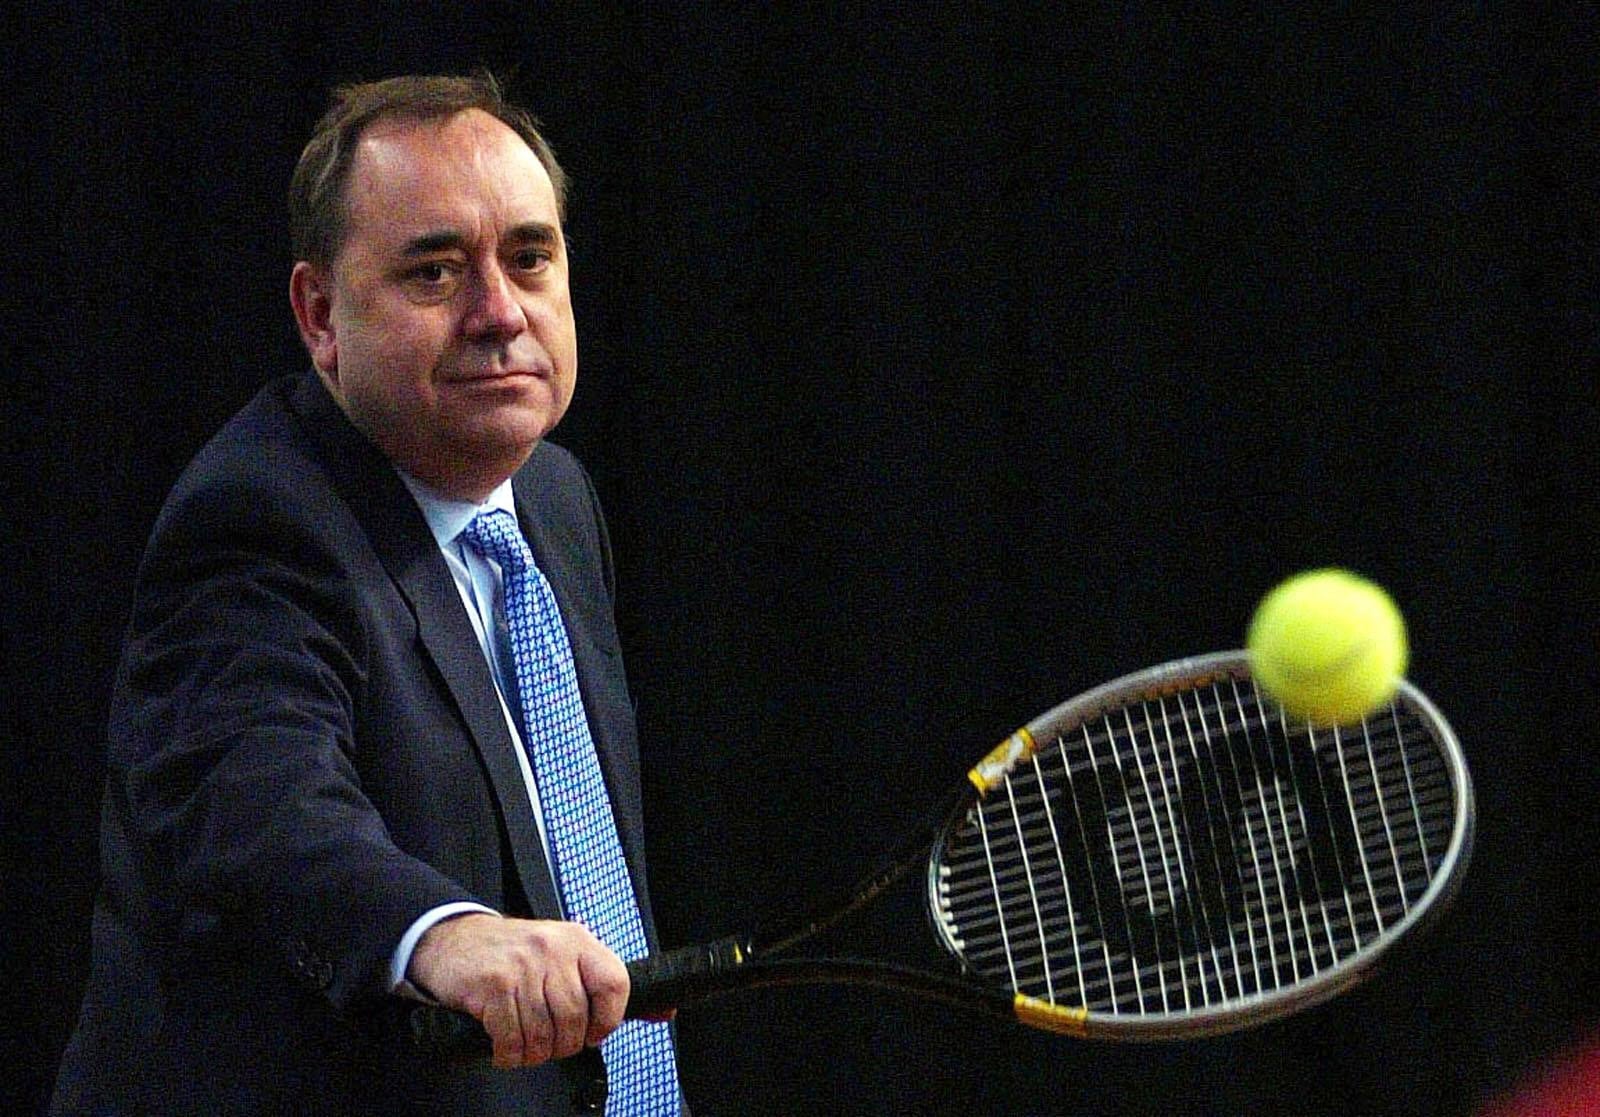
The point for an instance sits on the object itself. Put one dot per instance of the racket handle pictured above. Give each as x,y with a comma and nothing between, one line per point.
678,977
660,982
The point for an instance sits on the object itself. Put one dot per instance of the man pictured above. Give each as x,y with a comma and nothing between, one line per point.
366,746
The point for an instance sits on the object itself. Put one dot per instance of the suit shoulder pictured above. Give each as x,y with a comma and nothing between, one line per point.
261,445
559,504
261,475
552,483
550,462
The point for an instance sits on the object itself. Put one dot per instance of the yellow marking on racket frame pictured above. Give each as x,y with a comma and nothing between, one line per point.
992,769
1062,1019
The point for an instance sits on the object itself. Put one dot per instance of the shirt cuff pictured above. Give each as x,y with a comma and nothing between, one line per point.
401,960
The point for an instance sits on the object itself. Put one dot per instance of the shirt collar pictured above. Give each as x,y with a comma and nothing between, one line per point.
448,518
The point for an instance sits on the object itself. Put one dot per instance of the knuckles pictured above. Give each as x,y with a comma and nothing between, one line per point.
542,989
610,983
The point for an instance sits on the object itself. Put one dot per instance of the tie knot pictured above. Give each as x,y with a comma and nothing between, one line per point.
495,535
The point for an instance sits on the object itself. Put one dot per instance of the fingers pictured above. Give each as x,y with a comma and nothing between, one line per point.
606,980
519,1030
568,1005
541,989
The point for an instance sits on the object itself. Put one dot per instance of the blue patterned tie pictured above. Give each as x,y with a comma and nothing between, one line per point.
593,877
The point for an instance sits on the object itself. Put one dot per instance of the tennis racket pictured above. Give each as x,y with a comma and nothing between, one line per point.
1165,856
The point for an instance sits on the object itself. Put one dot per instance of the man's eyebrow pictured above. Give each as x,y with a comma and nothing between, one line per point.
429,243
531,232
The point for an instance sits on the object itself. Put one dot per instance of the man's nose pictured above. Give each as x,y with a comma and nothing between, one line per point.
494,309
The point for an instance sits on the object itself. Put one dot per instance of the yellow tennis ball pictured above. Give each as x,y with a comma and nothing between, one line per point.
1329,646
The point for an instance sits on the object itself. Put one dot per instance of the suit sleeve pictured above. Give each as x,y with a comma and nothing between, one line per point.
233,735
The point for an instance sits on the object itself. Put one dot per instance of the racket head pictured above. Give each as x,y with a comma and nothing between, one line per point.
1182,860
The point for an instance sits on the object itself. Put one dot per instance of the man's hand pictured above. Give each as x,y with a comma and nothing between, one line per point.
542,989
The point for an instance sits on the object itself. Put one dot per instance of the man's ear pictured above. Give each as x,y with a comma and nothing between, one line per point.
310,294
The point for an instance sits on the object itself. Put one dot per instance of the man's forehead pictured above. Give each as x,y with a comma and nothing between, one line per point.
423,159
474,121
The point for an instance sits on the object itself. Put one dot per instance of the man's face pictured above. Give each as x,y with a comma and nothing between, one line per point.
444,326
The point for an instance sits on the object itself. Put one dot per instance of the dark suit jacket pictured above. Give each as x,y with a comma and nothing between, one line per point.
306,753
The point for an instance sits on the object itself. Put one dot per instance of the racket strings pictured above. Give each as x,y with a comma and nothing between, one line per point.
1194,849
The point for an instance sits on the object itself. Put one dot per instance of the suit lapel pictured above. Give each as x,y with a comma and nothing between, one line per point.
554,564
447,636
566,563
406,547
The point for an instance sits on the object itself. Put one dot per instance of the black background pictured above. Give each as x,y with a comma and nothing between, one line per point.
936,365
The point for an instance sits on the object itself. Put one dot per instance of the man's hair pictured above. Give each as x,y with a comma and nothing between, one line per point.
318,213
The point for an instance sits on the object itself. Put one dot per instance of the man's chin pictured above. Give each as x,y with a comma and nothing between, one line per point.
501,446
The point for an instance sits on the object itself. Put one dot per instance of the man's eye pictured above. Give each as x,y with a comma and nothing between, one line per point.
532,259
430,274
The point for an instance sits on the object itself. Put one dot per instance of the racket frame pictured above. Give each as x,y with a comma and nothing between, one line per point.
1164,680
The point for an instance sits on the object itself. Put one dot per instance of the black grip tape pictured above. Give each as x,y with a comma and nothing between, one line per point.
678,977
